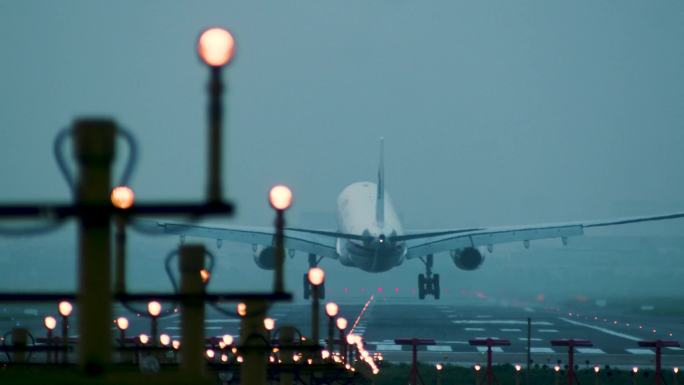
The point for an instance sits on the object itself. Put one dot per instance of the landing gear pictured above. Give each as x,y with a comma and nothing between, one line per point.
428,283
313,262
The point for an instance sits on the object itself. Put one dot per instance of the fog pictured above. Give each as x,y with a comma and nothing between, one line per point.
493,113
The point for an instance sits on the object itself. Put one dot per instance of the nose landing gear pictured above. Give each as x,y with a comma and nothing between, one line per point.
428,283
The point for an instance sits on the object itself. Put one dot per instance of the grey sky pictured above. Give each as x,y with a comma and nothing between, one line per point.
497,112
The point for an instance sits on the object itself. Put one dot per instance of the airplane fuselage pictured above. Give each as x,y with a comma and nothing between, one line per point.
356,215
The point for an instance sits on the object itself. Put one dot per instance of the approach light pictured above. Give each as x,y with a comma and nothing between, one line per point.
331,309
154,308
227,339
122,323
216,47
341,323
280,197
50,322
122,197
65,308
165,339
242,309
316,276
269,323
143,338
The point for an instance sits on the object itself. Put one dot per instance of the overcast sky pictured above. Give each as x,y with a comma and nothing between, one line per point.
497,112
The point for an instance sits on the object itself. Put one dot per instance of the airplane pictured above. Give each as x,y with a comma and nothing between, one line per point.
370,236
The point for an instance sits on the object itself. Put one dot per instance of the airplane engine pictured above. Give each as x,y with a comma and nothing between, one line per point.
264,257
468,258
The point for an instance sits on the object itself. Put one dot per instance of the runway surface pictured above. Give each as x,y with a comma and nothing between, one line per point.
615,337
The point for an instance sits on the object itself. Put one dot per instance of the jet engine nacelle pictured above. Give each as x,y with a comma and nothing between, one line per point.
468,258
264,257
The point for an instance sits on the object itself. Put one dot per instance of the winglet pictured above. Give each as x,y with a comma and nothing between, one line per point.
380,200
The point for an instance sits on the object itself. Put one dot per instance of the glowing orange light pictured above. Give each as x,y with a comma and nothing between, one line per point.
122,197
154,308
216,47
65,308
316,276
341,323
439,366
477,367
242,309
143,338
122,323
597,369
556,368
204,273
165,339
227,339
175,344
331,309
269,323
518,367
280,197
50,322
210,353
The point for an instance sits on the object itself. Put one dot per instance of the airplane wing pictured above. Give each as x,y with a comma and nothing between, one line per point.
317,244
431,242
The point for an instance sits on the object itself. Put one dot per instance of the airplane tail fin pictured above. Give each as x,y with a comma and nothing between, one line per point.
380,200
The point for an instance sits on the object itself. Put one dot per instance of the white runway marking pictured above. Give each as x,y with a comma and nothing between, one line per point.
643,352
495,349
604,330
548,330
474,329
531,339
675,348
590,351
223,321
452,342
483,316
541,350
439,348
510,330
529,310
500,322
388,347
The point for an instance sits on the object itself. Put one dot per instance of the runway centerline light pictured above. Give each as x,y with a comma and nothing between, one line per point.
280,197
50,322
65,308
216,47
316,276
331,309
122,197
122,323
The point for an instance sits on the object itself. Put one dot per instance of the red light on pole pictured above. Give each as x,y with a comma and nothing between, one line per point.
489,342
658,345
571,344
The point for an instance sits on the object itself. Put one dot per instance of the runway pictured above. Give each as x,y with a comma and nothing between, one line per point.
451,324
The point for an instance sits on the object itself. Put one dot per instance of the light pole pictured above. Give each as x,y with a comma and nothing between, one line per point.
341,324
269,325
65,309
153,309
316,277
439,368
597,371
215,47
635,370
280,198
331,310
122,197
518,368
675,372
50,324
122,325
477,368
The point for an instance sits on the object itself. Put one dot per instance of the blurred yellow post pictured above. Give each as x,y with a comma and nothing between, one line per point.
252,340
191,262
286,338
94,148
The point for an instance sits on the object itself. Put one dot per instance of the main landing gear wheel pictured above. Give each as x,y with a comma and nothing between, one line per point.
428,283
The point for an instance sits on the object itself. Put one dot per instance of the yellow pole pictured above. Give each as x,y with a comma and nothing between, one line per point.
94,148
190,263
